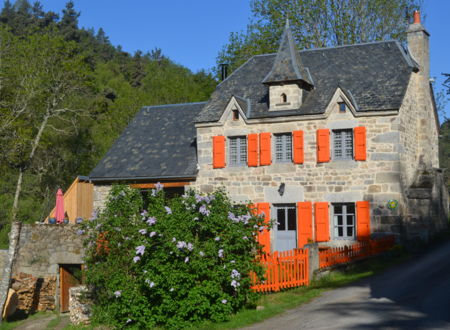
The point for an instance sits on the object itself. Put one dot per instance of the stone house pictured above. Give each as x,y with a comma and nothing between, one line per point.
335,144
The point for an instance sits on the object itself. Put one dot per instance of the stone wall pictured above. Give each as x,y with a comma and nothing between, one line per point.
100,194
41,249
376,180
80,305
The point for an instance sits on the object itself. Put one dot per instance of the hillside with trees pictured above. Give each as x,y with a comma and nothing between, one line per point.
66,93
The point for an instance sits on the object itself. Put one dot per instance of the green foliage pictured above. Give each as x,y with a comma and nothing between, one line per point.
444,149
37,49
181,260
317,23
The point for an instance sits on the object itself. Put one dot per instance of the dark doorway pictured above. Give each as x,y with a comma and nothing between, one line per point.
70,275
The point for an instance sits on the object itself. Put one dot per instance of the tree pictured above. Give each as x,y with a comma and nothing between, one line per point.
42,78
317,23
69,22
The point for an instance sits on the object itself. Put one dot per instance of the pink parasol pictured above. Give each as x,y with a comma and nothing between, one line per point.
59,212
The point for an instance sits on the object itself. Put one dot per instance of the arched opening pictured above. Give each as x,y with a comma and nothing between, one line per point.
283,98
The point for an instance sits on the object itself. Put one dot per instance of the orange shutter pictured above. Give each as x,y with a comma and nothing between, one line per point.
252,148
359,135
304,223
218,151
264,236
321,222
323,145
362,220
265,157
297,137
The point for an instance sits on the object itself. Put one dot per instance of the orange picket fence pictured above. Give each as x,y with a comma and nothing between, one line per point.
285,269
329,256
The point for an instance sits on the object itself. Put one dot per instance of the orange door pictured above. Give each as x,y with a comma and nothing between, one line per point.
69,276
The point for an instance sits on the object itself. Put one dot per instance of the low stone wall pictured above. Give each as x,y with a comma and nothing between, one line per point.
35,294
79,305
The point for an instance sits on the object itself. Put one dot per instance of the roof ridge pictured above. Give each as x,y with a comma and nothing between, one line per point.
173,104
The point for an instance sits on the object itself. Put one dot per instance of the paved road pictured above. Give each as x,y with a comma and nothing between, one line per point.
415,295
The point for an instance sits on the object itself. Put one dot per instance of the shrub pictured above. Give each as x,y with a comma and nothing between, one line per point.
178,261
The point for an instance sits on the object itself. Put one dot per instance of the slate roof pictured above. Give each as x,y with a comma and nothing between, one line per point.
159,143
375,75
288,66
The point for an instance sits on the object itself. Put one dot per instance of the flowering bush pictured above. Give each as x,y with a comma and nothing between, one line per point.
178,261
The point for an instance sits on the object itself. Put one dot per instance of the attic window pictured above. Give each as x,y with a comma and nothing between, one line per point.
235,114
283,98
342,107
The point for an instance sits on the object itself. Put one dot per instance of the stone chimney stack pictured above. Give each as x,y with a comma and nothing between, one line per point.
418,44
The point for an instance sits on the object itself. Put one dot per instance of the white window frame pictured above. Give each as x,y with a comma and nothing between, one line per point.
286,147
345,213
239,157
343,145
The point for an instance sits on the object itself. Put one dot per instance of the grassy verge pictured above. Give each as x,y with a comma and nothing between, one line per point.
277,303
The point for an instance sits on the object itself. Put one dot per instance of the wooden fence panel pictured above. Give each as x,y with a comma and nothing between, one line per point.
339,255
283,270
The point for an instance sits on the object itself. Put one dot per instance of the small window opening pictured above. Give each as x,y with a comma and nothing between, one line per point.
342,107
235,115
283,98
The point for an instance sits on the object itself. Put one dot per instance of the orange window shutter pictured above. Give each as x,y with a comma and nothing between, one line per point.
264,236
265,156
297,137
252,150
323,145
304,223
363,220
322,222
359,135
218,151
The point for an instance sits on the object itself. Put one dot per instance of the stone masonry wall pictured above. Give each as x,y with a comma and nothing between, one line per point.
41,249
376,180
100,194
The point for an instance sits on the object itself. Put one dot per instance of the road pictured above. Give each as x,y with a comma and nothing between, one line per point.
413,295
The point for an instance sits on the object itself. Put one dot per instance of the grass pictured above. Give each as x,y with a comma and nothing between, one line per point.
276,303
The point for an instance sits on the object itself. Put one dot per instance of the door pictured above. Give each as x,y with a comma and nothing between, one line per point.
286,227
69,276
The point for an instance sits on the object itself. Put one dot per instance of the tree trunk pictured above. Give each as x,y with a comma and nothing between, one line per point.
35,144
15,207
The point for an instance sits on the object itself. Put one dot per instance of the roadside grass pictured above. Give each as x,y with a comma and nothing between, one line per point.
273,304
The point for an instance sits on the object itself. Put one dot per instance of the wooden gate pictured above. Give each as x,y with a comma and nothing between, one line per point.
69,276
287,269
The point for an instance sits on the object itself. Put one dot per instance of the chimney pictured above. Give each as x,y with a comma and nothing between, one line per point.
418,45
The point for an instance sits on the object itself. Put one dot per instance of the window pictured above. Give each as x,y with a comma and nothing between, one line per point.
344,220
238,150
343,144
283,147
286,229
235,115
342,106
283,98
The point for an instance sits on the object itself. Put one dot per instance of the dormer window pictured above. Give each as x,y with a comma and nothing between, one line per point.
342,106
235,114
283,98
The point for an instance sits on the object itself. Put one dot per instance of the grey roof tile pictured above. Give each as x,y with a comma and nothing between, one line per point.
160,142
375,74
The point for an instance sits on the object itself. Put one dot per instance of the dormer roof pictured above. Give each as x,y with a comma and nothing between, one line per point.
288,66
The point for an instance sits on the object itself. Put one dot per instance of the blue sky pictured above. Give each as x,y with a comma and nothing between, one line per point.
192,32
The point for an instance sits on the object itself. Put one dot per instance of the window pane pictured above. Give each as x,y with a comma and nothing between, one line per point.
288,148
349,231
339,220
349,220
233,151
340,231
351,208
281,218
337,209
291,219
